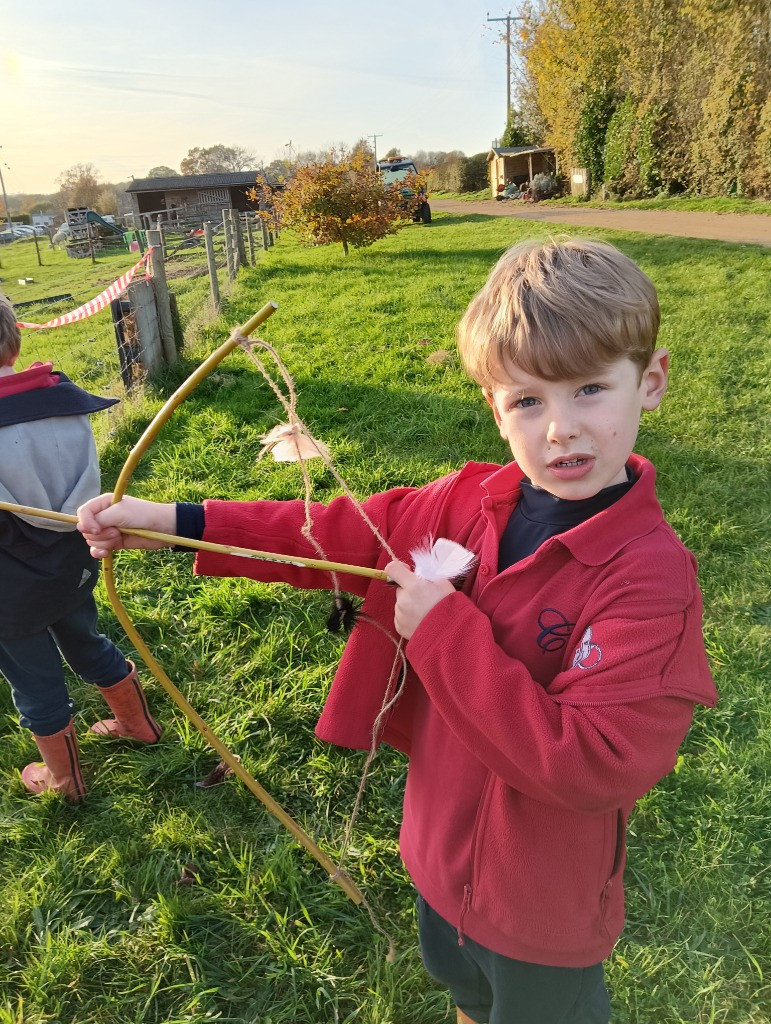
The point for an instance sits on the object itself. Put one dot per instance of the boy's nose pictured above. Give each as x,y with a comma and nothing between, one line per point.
561,429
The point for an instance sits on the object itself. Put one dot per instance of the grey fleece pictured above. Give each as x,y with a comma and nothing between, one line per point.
50,463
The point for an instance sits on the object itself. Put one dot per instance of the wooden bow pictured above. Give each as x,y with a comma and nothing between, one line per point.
338,876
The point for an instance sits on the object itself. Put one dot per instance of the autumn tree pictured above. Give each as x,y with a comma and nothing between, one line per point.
341,199
653,94
79,186
217,159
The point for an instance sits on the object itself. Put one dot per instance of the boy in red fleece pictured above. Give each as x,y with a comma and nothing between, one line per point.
47,610
552,690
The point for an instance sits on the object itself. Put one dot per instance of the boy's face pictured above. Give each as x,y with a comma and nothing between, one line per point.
573,437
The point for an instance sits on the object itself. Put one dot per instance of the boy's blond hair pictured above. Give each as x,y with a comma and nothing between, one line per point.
10,335
558,309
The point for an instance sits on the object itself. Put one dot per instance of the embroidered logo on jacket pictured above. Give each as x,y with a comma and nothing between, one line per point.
555,630
588,655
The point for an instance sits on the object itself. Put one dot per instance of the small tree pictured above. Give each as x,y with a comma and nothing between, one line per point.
79,186
162,171
341,199
516,133
217,159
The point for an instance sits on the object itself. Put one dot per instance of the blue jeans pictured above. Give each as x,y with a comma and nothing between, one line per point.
494,989
33,666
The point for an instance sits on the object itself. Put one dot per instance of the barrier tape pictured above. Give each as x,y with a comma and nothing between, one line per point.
96,304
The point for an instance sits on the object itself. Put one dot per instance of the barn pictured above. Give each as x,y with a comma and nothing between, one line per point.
189,197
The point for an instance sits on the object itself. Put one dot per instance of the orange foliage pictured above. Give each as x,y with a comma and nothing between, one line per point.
341,199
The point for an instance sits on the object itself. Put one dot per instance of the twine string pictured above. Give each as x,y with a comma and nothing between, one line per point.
393,688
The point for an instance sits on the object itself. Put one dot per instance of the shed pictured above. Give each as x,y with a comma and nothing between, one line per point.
188,197
519,164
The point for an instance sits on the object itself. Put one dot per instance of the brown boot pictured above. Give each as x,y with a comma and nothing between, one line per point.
60,768
128,703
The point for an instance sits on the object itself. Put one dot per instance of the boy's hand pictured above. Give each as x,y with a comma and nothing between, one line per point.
415,597
99,521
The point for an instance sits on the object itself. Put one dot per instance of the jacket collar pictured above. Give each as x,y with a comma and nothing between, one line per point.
634,515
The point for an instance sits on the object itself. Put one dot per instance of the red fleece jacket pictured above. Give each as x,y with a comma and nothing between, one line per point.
541,702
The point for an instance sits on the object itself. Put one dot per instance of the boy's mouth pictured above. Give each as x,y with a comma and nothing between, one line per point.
572,468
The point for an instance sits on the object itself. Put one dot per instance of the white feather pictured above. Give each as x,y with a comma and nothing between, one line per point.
442,559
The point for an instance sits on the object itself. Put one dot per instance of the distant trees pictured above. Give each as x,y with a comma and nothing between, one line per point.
217,159
162,171
654,95
79,185
341,199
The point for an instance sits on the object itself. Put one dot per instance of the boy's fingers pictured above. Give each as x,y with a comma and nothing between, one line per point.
87,513
399,573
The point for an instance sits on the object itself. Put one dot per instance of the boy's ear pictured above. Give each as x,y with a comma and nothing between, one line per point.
654,379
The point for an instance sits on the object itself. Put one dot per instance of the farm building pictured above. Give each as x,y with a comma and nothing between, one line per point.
519,164
189,197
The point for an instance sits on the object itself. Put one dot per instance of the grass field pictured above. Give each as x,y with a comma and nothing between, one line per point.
96,925
699,204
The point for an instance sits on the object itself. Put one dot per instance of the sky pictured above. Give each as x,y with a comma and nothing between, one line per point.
127,87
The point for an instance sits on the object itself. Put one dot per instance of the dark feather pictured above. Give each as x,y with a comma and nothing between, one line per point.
342,617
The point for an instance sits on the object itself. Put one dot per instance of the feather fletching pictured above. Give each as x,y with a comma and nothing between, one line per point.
442,559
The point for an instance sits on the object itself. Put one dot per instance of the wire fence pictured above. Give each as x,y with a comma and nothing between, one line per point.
193,267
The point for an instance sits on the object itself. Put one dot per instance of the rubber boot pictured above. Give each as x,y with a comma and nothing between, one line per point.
128,703
60,767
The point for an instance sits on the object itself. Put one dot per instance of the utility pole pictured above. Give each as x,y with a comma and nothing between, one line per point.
508,19
5,202
374,145
289,147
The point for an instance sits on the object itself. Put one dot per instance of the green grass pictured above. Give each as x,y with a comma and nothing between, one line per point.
699,204
95,926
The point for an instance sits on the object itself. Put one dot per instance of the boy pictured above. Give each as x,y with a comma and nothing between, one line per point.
556,685
47,610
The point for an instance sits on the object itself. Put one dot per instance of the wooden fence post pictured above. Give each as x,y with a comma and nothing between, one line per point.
149,351
240,245
234,239
214,284
229,254
250,240
265,240
241,253
161,234
161,289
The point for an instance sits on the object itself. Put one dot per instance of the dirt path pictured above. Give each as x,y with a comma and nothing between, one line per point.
754,228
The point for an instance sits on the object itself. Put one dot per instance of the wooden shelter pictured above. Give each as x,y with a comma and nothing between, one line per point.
189,197
519,164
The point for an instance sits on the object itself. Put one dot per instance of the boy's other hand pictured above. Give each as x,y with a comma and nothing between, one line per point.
100,522
415,597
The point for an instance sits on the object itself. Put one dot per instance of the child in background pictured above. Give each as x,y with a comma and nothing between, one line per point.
553,689
47,610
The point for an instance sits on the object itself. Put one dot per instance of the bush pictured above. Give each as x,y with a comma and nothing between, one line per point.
544,186
474,175
592,129
619,145
448,176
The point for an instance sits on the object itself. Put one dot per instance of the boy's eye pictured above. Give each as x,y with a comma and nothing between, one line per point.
525,403
590,389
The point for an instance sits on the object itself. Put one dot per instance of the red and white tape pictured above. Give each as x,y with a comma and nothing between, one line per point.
97,304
